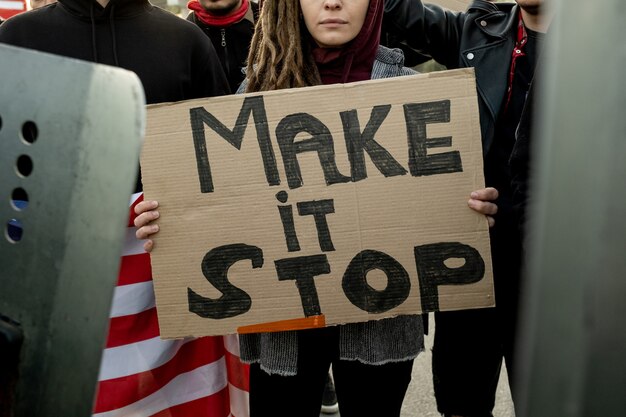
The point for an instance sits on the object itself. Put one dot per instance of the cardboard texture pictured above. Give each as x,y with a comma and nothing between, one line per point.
457,5
377,242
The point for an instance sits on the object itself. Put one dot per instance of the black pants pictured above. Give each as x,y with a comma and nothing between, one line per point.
469,345
362,390
467,359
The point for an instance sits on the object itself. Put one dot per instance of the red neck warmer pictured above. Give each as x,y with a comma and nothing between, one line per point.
218,21
354,61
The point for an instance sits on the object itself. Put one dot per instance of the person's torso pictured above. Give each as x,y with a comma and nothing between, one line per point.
153,44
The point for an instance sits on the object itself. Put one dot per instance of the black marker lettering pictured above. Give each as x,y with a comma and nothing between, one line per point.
215,265
319,210
433,272
303,270
417,116
286,217
363,295
321,141
357,143
254,106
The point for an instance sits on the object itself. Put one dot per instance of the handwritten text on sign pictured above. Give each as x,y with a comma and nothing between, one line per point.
341,202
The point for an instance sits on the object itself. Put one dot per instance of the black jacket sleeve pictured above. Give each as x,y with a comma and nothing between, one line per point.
430,29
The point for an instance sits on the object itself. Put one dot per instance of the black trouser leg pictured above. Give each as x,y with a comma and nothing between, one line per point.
299,395
371,390
467,358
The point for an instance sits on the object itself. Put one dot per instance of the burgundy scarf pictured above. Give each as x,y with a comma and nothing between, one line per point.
218,21
354,61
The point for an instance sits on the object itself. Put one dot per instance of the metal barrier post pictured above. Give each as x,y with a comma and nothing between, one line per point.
573,344
70,134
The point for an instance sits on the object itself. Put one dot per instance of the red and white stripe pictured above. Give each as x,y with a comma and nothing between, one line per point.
9,8
144,376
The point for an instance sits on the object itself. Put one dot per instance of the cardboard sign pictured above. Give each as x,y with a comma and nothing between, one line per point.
317,206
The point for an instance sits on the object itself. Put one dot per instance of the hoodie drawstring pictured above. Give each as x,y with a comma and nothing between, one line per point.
113,38
93,35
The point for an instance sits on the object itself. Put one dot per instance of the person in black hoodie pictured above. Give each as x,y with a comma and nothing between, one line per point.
230,26
171,57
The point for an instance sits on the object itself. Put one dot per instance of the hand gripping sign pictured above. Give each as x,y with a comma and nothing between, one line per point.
317,206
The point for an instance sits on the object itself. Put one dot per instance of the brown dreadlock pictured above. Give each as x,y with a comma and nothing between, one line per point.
280,57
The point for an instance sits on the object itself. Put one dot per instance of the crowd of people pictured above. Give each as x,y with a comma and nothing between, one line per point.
229,46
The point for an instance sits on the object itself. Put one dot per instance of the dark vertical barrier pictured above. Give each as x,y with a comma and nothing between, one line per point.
11,338
573,344
69,149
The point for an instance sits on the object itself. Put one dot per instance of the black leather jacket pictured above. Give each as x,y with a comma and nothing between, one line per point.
483,37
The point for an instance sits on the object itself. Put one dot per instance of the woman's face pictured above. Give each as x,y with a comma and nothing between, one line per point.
334,23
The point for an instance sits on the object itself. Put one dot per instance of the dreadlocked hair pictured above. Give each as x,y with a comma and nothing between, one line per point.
280,57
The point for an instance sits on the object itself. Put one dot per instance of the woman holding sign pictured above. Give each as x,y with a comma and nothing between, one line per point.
299,43
327,42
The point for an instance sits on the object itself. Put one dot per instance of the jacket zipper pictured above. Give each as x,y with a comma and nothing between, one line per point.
223,32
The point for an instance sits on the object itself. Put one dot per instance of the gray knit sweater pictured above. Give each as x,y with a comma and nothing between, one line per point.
374,342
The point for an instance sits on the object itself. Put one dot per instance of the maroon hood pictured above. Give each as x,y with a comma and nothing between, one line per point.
354,61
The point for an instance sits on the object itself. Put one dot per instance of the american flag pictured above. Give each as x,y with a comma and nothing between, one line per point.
144,376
